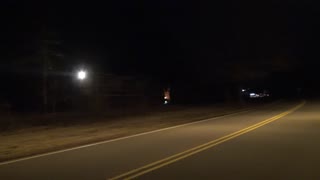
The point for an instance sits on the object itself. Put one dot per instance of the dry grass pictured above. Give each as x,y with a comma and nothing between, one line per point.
35,140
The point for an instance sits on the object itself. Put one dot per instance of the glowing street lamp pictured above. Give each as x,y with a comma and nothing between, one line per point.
81,75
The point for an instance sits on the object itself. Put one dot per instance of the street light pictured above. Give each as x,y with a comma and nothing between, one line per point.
81,75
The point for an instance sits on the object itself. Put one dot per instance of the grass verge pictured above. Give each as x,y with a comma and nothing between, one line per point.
32,140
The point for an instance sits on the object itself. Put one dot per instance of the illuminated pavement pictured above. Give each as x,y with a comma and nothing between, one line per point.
279,146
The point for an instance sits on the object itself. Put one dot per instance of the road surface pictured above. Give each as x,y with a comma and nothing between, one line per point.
279,141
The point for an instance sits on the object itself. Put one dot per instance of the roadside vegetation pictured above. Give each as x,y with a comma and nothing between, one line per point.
30,135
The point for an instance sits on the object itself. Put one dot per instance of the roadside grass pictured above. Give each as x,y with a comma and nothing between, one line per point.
30,139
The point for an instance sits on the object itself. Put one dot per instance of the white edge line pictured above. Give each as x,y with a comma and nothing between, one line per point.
117,139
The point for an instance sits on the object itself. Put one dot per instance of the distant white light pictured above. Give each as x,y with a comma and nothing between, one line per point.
82,75
253,95
243,90
165,97
166,102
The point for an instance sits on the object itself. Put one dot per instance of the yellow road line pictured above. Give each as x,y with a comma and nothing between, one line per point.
171,159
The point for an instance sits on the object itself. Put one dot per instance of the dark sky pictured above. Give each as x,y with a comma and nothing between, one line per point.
173,41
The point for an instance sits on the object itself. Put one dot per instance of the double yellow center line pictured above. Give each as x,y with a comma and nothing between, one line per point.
171,159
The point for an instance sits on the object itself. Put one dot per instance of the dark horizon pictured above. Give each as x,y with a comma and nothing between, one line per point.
180,44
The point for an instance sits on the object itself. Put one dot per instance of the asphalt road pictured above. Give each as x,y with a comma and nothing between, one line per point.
274,142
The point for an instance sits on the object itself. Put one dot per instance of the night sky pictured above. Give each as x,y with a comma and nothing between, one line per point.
244,43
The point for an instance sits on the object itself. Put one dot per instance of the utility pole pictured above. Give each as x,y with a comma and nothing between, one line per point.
48,41
45,77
